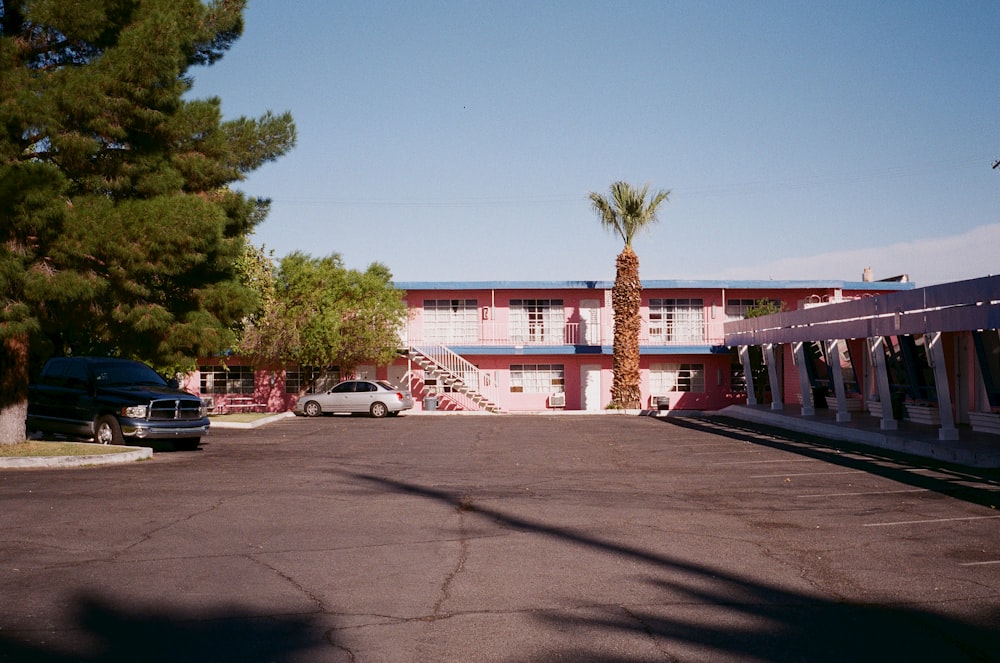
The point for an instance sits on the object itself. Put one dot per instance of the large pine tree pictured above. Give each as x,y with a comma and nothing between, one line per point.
119,233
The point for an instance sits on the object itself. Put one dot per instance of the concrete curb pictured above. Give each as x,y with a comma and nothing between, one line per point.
127,455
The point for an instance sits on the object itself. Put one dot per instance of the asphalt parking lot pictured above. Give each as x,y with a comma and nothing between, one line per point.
502,539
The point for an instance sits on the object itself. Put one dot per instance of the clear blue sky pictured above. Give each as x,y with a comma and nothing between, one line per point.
459,140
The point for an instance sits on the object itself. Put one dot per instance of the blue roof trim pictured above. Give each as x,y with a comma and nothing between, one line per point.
671,284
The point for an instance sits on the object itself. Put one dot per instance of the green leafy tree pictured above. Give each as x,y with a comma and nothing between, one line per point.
120,232
626,212
322,314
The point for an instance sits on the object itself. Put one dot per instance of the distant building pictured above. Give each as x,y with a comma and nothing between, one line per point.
522,346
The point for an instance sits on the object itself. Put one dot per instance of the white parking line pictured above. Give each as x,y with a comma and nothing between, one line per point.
762,462
802,474
933,520
992,561
874,492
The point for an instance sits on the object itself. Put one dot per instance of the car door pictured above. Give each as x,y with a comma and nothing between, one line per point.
366,392
340,398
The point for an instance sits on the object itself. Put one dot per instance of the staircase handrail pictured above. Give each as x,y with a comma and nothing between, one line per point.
458,366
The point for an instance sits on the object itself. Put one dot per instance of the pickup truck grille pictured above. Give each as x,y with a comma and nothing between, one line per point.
172,408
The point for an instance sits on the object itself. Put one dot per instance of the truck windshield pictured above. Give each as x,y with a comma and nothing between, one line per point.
117,374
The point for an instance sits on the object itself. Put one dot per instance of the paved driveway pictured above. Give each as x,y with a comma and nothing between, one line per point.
506,539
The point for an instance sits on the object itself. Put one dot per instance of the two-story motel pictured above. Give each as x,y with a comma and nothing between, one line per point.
524,346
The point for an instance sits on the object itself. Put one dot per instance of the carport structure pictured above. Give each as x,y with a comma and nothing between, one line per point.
929,355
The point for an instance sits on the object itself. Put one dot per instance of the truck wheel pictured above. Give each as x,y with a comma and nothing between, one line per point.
107,431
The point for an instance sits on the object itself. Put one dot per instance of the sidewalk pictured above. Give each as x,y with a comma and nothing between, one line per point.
971,449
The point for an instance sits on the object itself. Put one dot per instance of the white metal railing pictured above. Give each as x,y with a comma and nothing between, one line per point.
461,368
572,333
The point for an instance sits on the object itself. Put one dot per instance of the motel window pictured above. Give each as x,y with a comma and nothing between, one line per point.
537,378
736,309
540,321
299,378
676,320
668,378
451,320
226,379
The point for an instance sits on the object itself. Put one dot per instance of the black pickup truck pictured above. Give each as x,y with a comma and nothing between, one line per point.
109,400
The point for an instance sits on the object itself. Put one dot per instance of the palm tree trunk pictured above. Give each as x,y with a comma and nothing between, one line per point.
626,296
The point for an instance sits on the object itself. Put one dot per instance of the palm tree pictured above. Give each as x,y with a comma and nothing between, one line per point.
625,213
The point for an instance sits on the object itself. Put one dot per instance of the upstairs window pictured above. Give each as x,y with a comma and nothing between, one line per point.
451,321
676,321
538,321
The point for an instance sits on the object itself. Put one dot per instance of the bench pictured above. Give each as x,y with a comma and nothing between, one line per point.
985,422
923,414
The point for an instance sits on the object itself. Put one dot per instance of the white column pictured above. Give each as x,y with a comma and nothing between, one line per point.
877,353
744,351
833,353
935,357
805,386
773,377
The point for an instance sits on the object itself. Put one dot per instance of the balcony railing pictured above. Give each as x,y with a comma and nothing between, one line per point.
571,333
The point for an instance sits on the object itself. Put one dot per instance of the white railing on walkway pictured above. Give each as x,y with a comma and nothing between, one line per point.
570,334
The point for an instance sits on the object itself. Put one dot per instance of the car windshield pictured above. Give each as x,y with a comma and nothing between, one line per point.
118,374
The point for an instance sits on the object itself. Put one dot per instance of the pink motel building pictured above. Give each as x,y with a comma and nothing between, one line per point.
524,346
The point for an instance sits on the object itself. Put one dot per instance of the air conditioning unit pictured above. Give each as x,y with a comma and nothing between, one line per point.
659,403
557,400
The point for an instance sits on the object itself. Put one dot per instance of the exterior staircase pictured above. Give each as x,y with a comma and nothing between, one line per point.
451,370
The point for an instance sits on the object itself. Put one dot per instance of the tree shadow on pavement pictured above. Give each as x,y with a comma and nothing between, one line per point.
741,618
107,633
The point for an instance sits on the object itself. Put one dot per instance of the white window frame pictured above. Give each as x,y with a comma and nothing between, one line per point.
538,378
670,378
677,320
451,321
537,321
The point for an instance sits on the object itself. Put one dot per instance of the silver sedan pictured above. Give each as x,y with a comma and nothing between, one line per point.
376,397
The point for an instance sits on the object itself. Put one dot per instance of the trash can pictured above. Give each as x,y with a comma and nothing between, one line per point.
662,403
430,403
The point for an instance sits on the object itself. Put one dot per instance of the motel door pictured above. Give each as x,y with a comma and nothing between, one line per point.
590,387
590,322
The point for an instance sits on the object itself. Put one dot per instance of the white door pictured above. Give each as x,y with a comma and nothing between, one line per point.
590,387
364,372
398,376
590,322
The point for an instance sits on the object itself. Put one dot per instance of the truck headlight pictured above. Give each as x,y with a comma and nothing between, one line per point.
134,411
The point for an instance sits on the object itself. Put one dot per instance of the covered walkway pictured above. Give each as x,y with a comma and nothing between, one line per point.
971,449
917,372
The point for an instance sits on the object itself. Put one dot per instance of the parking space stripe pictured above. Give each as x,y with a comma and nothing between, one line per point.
803,474
762,462
874,492
932,520
992,561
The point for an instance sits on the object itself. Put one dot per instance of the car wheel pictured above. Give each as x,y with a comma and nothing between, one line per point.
379,409
107,431
312,409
